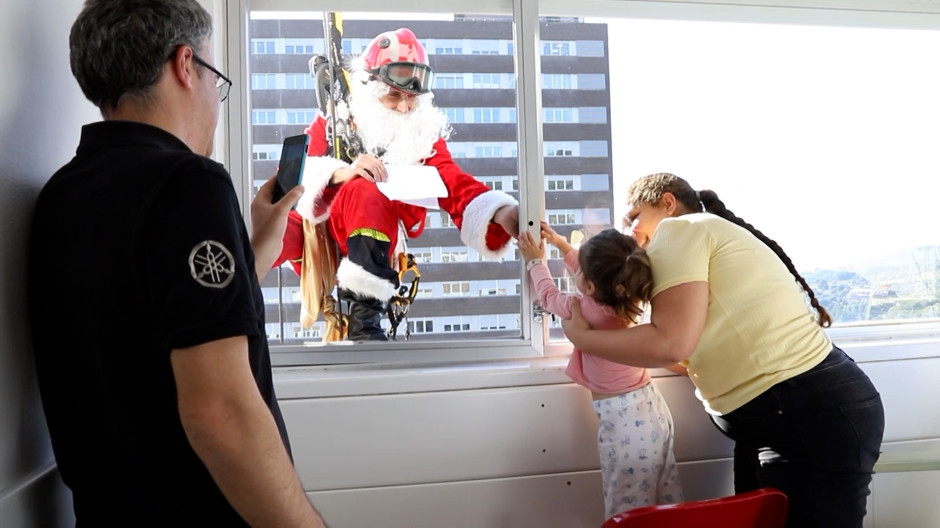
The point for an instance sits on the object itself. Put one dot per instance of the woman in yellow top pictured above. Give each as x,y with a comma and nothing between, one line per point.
729,305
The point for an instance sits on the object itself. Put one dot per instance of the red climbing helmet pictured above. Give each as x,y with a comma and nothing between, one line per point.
399,60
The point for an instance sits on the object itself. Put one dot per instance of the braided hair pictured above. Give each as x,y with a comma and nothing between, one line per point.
620,271
649,190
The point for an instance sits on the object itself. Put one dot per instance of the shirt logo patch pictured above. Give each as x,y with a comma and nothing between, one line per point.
211,264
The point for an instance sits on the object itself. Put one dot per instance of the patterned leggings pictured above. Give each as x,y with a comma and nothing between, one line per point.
634,440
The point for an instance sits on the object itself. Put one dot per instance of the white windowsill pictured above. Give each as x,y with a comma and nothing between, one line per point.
864,344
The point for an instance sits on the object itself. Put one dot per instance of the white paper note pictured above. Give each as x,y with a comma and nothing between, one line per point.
413,184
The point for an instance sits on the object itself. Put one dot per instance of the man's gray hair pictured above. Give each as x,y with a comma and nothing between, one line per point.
119,49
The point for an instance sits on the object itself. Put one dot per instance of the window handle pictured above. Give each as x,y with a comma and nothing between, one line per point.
537,311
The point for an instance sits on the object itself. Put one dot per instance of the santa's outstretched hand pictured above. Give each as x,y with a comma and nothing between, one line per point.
507,216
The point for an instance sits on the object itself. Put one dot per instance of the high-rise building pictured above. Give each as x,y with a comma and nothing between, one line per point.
460,294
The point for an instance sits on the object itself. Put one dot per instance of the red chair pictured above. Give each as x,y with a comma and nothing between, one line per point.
762,508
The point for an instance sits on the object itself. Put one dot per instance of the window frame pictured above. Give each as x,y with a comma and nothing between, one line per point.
238,135
232,18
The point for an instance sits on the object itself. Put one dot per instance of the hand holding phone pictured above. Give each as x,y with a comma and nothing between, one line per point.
291,166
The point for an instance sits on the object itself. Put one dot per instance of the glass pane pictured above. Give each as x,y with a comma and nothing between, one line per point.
460,295
824,138
579,198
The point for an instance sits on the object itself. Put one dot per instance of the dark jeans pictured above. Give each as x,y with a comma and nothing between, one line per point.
815,437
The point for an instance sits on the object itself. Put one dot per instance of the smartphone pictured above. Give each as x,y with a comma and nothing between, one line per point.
291,166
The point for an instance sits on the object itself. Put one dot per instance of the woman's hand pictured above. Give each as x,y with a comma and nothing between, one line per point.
365,166
268,223
577,327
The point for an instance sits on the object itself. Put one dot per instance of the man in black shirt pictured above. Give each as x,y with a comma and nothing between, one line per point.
147,314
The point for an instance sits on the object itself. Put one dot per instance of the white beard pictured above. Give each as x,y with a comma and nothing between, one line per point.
398,139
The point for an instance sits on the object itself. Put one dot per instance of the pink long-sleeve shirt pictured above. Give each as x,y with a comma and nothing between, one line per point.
596,374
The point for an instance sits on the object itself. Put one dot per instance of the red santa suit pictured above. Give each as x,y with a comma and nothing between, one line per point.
365,223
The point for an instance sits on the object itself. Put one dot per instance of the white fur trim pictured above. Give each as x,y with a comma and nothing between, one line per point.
476,219
355,278
317,173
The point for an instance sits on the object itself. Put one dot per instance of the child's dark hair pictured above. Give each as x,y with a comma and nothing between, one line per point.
620,271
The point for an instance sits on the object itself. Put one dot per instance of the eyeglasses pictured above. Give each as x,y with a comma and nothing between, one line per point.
224,84
409,77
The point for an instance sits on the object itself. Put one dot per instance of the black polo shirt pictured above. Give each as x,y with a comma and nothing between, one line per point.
138,246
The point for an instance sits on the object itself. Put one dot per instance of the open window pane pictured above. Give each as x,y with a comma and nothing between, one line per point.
823,137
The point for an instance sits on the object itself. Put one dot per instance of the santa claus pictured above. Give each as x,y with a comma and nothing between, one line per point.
391,111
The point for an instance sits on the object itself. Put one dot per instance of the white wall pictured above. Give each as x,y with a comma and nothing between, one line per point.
512,444
41,112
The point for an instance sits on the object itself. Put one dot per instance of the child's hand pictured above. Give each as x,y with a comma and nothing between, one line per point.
529,248
554,238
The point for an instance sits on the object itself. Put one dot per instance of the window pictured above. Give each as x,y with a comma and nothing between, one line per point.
562,217
262,152
485,115
422,255
592,114
496,185
488,151
445,220
455,115
296,46
421,326
300,117
561,148
556,81
556,48
273,330
262,47
591,48
264,81
454,254
592,81
485,80
448,80
592,149
455,288
484,47
711,139
443,46
481,115
263,117
299,332
299,81
566,284
557,115
559,183
482,149
804,112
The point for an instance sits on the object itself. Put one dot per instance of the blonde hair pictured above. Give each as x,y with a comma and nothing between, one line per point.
650,189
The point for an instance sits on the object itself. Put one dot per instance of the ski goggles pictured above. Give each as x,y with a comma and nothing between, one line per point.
409,77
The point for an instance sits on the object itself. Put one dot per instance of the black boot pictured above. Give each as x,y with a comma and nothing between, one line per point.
365,317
